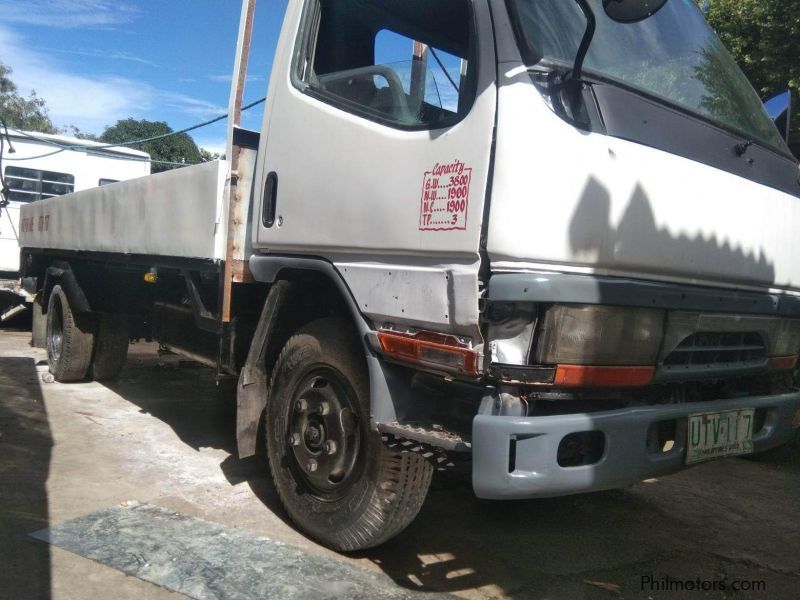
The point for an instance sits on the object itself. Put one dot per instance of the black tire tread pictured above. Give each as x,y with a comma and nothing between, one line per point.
110,346
77,341
406,480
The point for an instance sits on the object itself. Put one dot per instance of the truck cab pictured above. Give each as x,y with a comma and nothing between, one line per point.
612,243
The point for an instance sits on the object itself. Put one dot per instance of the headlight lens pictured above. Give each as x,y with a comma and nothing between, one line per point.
786,338
600,335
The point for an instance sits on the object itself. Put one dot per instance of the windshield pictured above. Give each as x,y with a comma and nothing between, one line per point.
674,55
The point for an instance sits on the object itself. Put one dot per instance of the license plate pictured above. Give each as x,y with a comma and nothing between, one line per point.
714,435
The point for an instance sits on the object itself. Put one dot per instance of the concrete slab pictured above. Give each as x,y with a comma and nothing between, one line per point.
207,560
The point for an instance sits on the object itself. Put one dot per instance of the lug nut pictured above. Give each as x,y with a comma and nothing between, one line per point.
296,439
312,465
330,447
323,408
301,406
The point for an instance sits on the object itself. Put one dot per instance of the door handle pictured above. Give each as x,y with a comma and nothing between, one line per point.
270,199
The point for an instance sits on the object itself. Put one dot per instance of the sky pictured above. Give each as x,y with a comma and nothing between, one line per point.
98,61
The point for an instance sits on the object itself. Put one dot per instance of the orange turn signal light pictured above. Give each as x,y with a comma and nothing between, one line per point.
427,348
582,376
783,362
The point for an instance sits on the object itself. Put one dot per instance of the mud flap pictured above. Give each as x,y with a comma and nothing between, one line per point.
251,392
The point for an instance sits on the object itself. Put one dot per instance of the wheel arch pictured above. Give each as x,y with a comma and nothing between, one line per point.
269,269
60,273
290,278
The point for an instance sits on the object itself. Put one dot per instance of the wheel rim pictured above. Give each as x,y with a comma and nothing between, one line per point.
323,432
55,337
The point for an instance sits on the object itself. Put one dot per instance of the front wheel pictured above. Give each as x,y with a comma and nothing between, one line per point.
334,476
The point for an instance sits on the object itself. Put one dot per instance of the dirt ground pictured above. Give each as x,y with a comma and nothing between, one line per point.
164,434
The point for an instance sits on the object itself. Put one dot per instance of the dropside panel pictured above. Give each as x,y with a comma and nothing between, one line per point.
176,213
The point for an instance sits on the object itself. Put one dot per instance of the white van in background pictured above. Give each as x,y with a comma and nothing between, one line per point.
36,166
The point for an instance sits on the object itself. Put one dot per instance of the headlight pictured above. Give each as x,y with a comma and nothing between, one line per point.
785,339
600,335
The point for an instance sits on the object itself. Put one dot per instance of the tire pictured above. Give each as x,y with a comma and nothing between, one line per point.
357,494
110,346
70,339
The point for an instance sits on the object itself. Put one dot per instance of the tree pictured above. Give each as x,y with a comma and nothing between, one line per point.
19,112
764,38
76,132
208,156
177,148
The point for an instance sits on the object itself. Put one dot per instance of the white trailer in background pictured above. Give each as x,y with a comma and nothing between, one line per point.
39,168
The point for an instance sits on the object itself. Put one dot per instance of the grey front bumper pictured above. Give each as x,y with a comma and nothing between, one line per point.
534,471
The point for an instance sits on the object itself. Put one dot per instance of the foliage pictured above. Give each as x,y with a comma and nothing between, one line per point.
208,156
19,112
728,96
76,132
764,38
177,148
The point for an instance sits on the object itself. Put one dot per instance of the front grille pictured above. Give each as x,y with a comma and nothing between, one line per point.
709,349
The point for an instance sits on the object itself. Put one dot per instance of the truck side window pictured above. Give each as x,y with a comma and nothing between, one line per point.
28,185
384,63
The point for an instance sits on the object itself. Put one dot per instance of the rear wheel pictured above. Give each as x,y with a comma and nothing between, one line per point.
110,346
70,339
336,479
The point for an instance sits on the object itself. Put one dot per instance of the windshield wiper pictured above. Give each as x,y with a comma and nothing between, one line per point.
586,41
565,87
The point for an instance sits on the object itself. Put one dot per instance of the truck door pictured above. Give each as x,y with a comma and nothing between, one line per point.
378,131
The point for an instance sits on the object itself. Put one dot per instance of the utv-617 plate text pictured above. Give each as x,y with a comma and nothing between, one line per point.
714,435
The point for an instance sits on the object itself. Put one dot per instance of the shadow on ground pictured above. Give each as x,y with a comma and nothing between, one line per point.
25,448
200,410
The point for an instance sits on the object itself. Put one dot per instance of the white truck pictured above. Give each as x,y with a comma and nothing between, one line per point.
35,166
577,271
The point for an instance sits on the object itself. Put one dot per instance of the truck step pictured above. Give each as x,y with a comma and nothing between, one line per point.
444,449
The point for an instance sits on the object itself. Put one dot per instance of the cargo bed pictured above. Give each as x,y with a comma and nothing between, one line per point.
178,213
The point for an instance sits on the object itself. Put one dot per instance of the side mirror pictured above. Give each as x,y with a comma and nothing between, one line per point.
632,11
779,109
